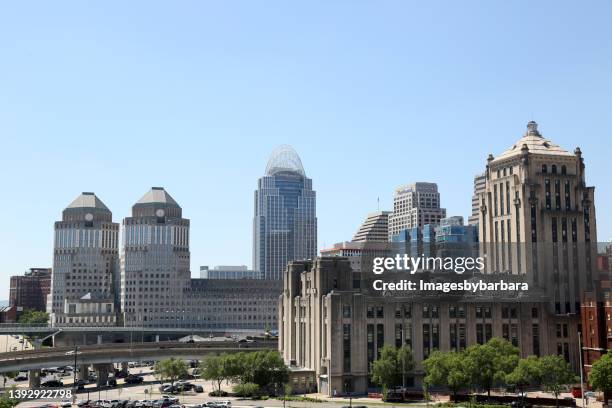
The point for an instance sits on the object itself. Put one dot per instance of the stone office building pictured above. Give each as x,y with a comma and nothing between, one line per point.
156,285
85,265
333,332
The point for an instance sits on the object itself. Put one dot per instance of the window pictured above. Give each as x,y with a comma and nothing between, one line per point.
554,169
346,346
544,169
346,311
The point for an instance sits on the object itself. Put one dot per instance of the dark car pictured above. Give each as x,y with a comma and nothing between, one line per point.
198,388
52,384
121,374
21,377
133,379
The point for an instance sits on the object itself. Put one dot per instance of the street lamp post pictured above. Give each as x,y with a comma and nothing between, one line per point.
581,369
74,369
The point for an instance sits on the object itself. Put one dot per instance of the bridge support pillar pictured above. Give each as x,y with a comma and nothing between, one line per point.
103,371
83,372
157,338
99,339
34,377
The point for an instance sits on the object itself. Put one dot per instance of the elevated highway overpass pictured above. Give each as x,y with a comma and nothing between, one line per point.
124,352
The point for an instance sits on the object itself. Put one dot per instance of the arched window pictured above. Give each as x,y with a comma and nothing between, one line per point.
554,169
544,169
564,170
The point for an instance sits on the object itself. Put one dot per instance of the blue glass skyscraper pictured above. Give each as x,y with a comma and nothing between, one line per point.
285,221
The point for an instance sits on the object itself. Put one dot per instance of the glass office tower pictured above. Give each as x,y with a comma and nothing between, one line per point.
285,221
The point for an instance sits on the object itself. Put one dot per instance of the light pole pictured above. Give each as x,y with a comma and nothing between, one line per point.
74,369
581,369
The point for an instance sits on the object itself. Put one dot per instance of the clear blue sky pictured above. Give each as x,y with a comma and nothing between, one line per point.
116,97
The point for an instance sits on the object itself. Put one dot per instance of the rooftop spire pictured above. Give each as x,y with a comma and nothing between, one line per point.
532,129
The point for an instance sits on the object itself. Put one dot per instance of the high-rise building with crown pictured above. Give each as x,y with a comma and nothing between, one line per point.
537,218
85,265
285,220
155,262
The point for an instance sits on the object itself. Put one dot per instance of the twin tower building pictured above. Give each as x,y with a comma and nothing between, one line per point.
145,280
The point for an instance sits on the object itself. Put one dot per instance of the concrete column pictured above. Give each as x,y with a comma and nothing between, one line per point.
34,377
83,372
157,338
103,370
99,339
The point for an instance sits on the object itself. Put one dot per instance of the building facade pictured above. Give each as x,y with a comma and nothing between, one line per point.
285,221
30,291
156,285
479,187
414,206
155,271
334,332
537,218
228,272
85,265
375,228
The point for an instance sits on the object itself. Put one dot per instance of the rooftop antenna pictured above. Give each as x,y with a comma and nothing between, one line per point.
377,203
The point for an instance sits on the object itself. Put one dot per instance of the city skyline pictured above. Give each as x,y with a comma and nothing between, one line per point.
195,267
195,98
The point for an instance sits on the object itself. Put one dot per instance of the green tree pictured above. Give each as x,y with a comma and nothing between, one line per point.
489,364
600,377
171,369
33,317
214,370
446,370
266,369
6,402
527,372
556,375
393,366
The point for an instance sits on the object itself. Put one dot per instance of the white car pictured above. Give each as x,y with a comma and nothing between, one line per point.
65,403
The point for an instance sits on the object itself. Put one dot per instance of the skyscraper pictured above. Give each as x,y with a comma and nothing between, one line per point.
374,228
537,218
415,205
285,220
155,262
85,263
479,187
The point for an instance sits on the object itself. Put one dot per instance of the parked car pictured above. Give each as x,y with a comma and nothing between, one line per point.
21,377
198,388
133,379
52,384
166,388
66,403
84,403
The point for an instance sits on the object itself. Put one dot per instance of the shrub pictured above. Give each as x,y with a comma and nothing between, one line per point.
217,393
246,390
